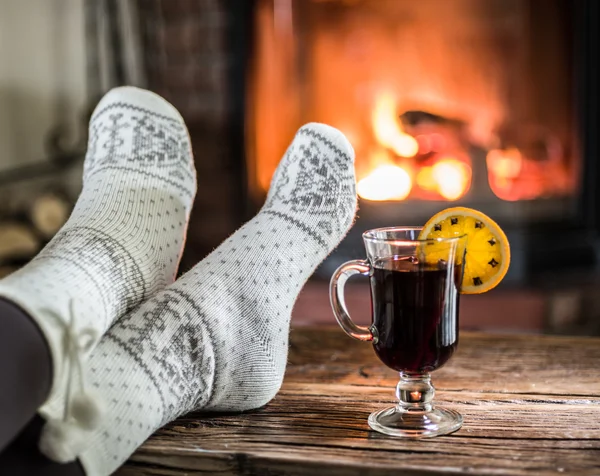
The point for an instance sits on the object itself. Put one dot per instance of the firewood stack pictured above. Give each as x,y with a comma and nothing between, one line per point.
24,231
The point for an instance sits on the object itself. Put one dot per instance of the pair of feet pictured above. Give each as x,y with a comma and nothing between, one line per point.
131,349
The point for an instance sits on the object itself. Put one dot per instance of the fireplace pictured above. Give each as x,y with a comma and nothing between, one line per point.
490,104
443,101
479,103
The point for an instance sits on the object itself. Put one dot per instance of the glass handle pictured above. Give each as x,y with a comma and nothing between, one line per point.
338,302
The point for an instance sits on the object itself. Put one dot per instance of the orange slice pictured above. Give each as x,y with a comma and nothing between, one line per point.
487,250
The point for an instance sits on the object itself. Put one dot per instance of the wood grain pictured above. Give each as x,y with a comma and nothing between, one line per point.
531,405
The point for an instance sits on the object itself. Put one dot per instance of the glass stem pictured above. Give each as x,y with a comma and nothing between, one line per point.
415,392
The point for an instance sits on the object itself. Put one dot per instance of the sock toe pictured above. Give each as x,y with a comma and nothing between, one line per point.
137,97
332,135
314,186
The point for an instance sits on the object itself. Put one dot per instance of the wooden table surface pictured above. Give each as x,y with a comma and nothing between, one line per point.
531,405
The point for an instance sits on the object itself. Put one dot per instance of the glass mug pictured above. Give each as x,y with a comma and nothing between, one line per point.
415,298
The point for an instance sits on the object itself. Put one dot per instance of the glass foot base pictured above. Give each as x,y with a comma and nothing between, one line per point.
396,421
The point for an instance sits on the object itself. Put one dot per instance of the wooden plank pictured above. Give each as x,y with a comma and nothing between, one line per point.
531,406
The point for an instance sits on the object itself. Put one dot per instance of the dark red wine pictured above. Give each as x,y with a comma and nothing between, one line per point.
415,313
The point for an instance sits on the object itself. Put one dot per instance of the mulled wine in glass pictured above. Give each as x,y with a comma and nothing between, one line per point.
415,298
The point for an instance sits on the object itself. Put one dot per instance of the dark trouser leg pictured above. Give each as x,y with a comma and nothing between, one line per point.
23,458
25,370
25,377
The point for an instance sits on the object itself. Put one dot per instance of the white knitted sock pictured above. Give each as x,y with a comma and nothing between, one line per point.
124,238
217,339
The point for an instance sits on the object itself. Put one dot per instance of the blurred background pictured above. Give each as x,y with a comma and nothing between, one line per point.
491,104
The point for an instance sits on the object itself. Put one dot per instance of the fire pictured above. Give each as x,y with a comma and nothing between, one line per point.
391,178
415,396
388,131
450,178
505,164
425,179
386,182
504,168
514,177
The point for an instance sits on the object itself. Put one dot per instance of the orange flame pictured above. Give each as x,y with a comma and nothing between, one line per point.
505,164
388,131
425,179
448,177
385,182
452,177
510,178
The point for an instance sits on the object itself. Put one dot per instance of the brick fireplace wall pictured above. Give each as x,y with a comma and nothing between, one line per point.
187,59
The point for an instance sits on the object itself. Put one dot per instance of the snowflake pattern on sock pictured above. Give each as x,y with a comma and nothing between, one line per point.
103,260
180,369
142,141
310,183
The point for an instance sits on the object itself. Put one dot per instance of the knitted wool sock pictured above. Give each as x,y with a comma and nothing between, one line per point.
217,339
123,241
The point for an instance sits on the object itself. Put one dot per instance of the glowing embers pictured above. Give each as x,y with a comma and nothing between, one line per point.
526,175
